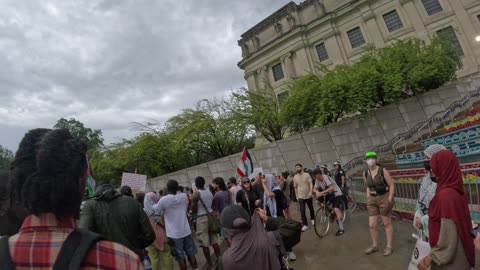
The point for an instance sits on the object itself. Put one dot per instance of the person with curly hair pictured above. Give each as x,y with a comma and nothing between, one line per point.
48,177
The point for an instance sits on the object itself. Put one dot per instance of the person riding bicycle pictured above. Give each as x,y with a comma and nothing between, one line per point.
329,186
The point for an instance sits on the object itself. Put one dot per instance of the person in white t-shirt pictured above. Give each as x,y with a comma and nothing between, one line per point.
175,206
328,186
234,188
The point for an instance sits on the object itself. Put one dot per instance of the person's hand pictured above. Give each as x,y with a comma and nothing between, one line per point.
390,200
258,202
262,214
264,181
418,223
425,263
477,242
310,194
257,178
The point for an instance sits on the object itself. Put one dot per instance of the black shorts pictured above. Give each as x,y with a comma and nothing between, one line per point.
338,202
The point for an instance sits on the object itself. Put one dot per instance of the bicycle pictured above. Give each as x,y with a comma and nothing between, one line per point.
326,215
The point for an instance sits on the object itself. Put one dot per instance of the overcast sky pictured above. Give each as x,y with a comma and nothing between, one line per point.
108,63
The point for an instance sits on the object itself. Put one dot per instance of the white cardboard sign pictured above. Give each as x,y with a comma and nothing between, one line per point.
136,181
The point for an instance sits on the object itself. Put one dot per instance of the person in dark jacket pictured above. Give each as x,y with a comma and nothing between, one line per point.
118,218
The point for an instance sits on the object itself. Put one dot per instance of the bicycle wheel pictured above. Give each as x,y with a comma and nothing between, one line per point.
352,204
322,222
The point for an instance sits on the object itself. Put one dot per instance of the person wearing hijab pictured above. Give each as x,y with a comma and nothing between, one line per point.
252,247
159,251
273,197
426,192
449,218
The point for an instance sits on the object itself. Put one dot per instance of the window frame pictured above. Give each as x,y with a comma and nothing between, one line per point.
322,55
427,6
398,24
275,78
455,43
352,32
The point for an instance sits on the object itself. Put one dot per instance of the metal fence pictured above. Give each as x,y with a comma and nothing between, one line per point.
407,183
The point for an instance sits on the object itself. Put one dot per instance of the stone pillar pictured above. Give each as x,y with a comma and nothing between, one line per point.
415,18
262,75
372,27
287,62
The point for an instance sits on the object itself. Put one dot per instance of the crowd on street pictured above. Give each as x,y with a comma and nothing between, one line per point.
246,221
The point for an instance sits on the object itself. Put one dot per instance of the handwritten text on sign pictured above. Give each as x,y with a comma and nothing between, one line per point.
136,181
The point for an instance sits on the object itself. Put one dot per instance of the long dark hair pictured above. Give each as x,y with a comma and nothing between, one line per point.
48,171
220,182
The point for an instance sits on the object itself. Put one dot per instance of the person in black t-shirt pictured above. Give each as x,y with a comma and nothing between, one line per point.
248,197
340,177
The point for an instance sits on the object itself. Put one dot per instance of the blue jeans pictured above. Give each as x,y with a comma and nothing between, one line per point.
182,246
309,203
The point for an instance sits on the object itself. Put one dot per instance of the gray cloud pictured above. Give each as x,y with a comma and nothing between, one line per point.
109,63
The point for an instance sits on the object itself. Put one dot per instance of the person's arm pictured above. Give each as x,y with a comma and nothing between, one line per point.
295,186
87,217
310,184
147,235
365,181
343,181
267,191
159,207
444,252
239,196
326,191
391,186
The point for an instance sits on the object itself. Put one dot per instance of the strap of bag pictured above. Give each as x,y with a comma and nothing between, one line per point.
74,249
5,257
204,206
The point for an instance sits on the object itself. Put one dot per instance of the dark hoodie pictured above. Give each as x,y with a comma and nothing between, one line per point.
118,218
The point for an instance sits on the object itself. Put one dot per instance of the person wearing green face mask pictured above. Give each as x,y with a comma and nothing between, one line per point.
380,191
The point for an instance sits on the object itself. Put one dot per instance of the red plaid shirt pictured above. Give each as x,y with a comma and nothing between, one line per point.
38,243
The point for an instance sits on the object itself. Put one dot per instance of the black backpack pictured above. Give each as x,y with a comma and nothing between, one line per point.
70,257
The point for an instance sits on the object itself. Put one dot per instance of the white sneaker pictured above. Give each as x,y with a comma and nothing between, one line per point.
292,256
313,222
304,228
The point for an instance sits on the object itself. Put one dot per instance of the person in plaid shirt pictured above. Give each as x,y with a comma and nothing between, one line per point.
48,176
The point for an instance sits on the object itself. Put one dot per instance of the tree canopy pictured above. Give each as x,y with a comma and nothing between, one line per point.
380,77
6,158
92,137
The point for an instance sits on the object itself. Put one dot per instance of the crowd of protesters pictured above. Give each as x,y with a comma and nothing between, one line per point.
45,211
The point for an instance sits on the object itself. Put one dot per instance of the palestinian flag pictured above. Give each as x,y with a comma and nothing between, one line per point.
245,166
91,184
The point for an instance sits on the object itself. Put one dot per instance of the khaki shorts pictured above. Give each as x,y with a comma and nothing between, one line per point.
379,206
203,237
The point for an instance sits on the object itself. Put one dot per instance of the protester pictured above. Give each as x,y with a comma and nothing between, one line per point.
275,202
333,193
174,206
284,185
202,202
325,170
274,199
426,192
127,191
380,192
119,218
159,252
258,186
449,218
221,199
252,247
234,188
140,197
48,176
303,191
248,197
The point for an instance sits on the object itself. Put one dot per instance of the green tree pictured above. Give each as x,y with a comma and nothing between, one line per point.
6,159
380,77
92,137
260,108
211,130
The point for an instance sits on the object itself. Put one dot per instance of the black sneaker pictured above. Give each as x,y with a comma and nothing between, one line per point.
340,232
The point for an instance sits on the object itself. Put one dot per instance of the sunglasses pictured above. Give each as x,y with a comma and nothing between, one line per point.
246,182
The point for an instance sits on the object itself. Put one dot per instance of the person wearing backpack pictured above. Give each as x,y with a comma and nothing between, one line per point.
380,192
48,176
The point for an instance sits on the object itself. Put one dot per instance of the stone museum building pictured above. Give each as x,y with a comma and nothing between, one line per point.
298,37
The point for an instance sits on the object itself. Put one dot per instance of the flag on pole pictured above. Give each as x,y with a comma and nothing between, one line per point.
245,166
91,184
